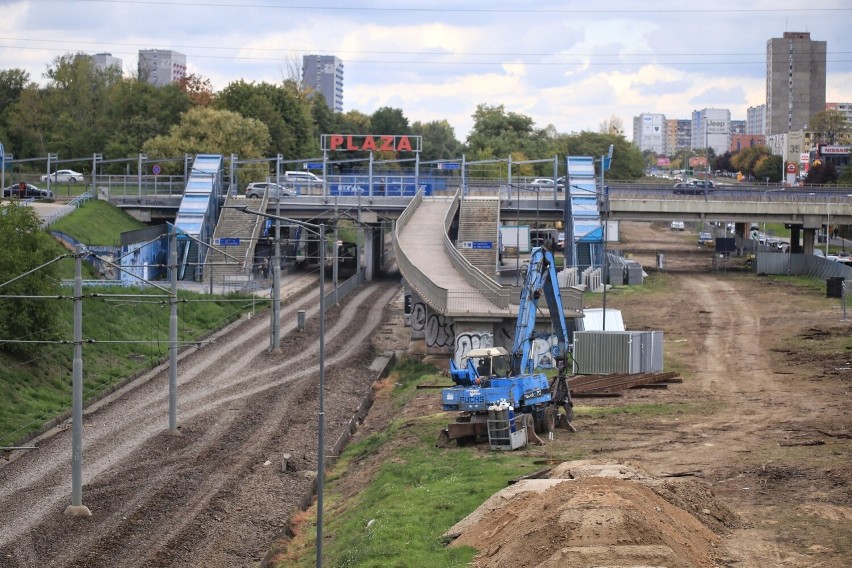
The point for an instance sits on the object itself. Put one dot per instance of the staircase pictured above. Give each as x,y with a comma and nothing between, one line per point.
233,266
479,222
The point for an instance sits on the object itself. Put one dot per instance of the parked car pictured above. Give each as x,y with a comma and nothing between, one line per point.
64,176
546,183
30,192
257,189
705,238
560,242
677,226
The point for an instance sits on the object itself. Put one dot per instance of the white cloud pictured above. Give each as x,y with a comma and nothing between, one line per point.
564,64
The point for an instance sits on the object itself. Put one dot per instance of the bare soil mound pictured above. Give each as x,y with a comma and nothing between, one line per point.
593,513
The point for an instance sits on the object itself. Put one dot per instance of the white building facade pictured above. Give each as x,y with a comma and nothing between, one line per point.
649,132
756,120
711,128
161,67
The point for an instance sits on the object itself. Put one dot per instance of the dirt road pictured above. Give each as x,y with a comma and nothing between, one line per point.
755,443
215,494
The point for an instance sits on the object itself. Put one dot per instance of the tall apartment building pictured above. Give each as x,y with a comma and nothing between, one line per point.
795,81
678,135
756,120
649,132
711,128
104,60
324,74
161,67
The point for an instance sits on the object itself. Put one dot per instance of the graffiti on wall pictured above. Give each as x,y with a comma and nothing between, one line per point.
472,339
542,351
436,329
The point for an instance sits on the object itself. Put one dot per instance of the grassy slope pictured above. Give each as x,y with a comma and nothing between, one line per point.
34,390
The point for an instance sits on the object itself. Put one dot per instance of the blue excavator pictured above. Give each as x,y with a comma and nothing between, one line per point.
488,376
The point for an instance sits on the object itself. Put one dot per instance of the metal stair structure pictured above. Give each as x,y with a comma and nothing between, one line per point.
232,265
479,222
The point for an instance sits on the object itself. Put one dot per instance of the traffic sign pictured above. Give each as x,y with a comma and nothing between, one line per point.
791,168
448,166
156,169
313,165
228,242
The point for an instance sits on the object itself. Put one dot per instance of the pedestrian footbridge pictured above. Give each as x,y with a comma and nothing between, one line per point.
454,304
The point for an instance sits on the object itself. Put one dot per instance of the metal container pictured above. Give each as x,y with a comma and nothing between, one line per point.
617,352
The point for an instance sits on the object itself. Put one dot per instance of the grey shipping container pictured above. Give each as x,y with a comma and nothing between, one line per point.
617,352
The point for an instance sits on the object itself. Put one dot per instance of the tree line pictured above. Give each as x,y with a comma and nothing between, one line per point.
83,109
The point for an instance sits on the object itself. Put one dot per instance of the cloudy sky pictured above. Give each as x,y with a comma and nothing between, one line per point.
564,63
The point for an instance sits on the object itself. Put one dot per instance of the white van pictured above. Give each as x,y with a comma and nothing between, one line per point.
302,178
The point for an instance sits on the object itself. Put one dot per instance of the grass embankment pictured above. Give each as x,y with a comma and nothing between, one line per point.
416,494
97,223
128,335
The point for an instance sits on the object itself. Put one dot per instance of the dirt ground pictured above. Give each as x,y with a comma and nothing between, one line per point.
747,465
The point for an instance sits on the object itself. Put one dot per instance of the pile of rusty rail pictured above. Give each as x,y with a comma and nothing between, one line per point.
614,385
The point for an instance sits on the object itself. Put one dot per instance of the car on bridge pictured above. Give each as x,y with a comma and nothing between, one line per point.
705,238
547,183
256,190
694,187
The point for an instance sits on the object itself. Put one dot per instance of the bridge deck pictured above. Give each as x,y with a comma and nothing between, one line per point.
422,240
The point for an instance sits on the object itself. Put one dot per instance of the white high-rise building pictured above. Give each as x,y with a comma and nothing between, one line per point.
161,67
649,132
324,74
756,120
711,128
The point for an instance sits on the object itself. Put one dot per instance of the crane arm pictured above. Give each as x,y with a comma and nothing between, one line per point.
540,280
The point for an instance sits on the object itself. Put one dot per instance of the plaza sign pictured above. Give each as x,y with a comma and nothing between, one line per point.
370,142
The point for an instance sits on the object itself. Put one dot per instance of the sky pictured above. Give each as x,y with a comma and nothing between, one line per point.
567,64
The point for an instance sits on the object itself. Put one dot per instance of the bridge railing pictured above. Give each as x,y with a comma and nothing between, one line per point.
487,287
434,295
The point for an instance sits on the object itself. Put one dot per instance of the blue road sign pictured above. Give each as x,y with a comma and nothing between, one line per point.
229,242
313,165
482,244
448,166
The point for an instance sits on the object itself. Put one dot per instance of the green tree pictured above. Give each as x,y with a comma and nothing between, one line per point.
391,121
768,166
76,103
25,248
746,159
503,132
325,121
139,111
205,130
827,125
439,140
26,124
285,110
627,161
